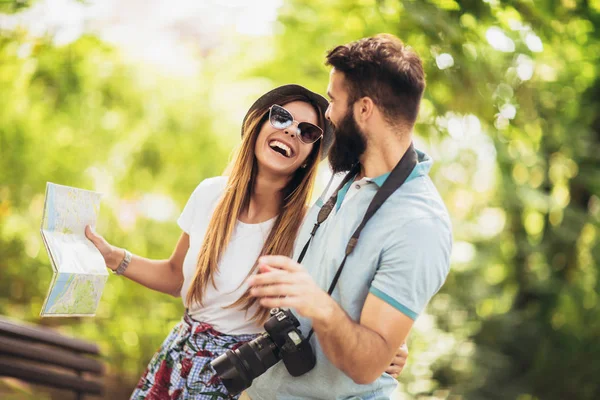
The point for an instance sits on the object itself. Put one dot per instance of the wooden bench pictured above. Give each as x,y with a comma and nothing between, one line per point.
42,356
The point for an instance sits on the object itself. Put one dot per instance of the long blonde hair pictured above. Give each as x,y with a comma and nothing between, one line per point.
236,198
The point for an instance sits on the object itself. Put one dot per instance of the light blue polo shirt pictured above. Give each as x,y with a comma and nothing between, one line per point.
402,257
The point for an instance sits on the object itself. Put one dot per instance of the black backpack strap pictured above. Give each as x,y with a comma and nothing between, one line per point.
397,177
328,207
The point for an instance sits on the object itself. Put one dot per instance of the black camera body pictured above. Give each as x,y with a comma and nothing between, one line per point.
282,340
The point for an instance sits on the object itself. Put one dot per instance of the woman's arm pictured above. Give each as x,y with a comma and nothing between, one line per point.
165,276
399,361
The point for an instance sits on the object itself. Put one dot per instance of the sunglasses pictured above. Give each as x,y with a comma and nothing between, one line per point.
280,118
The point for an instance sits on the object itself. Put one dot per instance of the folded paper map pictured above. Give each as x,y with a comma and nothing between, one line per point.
79,269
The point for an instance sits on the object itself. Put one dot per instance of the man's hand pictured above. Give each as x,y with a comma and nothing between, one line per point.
398,362
284,283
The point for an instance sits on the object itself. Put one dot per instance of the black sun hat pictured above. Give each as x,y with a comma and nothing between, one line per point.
269,98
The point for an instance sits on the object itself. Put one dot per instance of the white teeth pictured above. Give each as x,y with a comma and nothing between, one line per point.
283,146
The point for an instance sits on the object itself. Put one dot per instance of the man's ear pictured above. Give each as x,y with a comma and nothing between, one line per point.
363,109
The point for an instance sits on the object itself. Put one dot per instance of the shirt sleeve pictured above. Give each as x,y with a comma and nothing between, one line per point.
414,265
186,219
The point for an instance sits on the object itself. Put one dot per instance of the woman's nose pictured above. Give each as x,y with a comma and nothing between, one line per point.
291,130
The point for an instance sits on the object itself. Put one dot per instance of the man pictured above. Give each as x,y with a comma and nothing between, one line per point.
402,256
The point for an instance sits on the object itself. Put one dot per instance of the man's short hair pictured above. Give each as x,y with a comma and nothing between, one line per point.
382,68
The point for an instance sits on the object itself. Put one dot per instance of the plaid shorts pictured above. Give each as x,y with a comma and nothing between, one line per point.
181,368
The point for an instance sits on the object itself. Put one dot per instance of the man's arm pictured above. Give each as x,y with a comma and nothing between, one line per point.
361,350
381,330
412,268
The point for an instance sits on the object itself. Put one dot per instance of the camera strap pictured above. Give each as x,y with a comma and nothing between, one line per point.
397,177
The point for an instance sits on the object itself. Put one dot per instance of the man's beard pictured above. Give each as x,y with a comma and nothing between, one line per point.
349,144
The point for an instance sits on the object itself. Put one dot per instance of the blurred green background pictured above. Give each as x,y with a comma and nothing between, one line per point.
142,100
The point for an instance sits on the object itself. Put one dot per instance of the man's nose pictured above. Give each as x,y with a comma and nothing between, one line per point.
328,112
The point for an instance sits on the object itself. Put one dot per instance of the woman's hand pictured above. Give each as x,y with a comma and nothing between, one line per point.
399,361
112,255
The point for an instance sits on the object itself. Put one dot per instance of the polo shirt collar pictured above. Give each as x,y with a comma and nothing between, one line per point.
424,163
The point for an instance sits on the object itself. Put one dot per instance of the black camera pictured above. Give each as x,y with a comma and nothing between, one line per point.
282,340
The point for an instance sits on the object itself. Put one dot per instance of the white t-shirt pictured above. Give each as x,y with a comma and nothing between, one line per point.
239,257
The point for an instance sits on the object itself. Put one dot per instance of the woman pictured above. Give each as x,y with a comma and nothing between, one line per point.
227,224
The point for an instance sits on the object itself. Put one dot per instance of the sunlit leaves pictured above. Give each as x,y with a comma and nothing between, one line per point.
510,117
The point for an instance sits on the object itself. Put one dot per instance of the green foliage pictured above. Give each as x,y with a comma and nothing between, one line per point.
516,136
11,6
79,115
510,115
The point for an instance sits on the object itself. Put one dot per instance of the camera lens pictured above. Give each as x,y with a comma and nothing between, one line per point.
238,368
282,340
